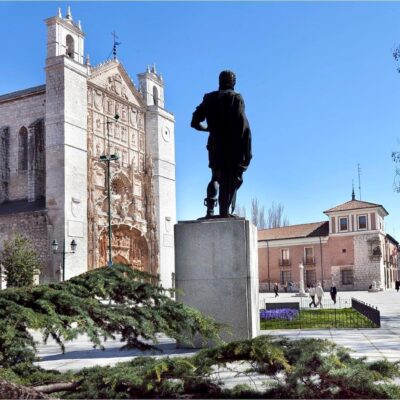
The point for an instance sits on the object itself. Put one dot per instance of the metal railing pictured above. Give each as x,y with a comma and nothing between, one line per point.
308,260
325,303
370,312
285,262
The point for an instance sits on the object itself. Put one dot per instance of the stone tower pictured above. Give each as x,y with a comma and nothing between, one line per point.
161,151
66,141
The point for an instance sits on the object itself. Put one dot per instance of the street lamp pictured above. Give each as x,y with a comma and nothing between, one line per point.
107,159
54,246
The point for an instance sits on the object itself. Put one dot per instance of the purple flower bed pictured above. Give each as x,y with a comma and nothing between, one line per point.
281,313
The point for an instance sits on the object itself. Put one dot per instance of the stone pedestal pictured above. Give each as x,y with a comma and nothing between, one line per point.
217,271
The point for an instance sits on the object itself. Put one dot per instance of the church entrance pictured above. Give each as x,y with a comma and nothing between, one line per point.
128,248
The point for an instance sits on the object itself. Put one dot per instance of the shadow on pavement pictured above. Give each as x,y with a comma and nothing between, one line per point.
116,352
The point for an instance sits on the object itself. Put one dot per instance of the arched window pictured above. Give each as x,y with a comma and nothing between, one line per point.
69,41
23,149
155,95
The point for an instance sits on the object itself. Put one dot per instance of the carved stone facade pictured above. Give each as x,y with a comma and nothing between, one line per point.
111,93
51,141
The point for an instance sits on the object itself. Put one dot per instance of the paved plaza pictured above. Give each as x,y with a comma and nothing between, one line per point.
372,343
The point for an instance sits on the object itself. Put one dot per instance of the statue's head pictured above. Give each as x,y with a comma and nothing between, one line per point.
227,80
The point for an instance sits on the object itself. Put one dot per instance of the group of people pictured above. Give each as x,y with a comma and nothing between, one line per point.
287,286
316,293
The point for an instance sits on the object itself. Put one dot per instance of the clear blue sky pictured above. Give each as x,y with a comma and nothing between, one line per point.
320,85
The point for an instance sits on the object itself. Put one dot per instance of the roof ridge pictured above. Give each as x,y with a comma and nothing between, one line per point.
290,226
21,92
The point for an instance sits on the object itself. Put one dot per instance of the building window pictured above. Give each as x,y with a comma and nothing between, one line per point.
23,149
347,277
343,224
286,277
362,222
69,41
155,95
311,277
285,257
308,256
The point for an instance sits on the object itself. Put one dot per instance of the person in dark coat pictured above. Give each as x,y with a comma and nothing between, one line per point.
276,289
229,143
333,292
397,285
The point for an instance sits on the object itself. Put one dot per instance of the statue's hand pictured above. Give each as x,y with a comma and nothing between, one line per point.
199,126
203,128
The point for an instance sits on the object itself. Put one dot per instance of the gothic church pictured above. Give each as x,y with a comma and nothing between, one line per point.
53,183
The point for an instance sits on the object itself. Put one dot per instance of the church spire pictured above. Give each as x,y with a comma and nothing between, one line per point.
69,15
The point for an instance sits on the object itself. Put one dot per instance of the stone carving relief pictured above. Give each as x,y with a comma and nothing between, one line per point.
98,100
134,239
116,85
129,247
133,115
76,207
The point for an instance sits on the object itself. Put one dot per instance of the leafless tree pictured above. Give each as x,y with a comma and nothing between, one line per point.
276,218
240,211
257,214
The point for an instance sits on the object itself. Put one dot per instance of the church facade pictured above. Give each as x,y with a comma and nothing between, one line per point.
54,140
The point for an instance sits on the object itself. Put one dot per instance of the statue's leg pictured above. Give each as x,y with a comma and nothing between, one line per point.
237,182
212,191
229,184
224,194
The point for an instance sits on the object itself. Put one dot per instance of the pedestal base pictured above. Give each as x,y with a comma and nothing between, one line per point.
217,271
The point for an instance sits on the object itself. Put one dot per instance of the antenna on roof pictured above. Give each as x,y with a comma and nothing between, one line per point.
353,196
359,179
115,44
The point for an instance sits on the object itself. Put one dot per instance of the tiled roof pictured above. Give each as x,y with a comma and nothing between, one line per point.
354,205
295,231
24,92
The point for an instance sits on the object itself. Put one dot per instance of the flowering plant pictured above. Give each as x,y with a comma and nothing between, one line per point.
280,313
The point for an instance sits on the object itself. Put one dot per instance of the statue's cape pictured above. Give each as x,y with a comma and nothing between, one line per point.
229,142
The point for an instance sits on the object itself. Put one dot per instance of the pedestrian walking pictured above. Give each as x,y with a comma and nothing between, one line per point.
290,286
285,287
333,292
319,292
311,292
397,286
276,289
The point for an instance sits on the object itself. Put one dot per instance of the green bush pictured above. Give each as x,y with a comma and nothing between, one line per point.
20,261
300,369
100,303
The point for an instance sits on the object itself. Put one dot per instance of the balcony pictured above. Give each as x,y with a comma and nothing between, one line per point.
308,260
285,262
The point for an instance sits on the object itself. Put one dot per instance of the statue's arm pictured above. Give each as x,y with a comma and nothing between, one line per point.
198,117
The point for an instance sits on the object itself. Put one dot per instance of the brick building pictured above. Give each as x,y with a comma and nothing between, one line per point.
53,181
350,249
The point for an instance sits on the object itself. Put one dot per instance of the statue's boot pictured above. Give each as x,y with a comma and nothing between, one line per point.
210,204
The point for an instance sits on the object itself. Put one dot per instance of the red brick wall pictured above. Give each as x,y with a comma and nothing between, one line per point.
332,255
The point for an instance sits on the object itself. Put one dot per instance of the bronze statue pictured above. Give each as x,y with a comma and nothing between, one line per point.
229,143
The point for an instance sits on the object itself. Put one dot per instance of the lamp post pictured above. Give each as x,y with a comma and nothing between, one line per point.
54,246
107,159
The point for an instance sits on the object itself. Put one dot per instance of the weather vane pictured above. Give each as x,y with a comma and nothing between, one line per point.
114,51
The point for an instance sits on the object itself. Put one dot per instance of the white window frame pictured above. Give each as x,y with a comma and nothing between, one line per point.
305,253
358,222
339,225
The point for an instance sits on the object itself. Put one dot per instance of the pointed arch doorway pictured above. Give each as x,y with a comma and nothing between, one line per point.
128,246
